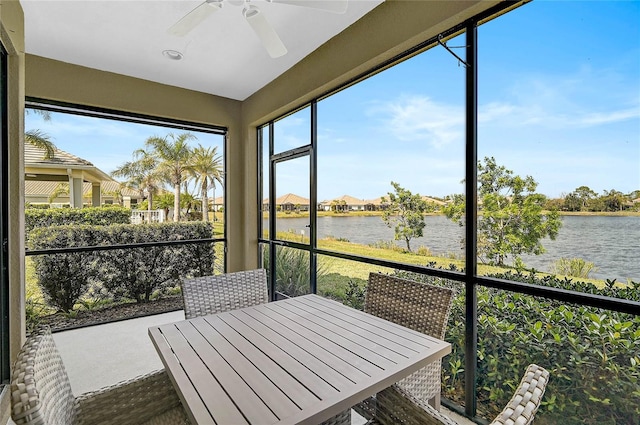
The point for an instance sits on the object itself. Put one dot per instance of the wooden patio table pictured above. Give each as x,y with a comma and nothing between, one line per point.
296,361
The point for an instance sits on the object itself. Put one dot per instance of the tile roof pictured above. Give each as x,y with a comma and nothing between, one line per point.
291,198
34,156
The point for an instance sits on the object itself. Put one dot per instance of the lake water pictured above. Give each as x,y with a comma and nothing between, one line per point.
611,243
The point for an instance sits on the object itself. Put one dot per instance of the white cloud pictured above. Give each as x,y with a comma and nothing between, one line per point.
598,118
421,118
582,100
292,132
512,115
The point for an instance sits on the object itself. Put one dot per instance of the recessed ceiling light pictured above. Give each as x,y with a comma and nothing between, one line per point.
174,55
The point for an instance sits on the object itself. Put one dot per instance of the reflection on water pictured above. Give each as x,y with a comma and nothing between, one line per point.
611,243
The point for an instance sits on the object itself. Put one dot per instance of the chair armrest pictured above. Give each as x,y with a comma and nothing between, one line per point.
129,402
397,406
526,400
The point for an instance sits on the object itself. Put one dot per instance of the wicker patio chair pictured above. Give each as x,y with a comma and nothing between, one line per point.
421,307
41,393
520,410
215,294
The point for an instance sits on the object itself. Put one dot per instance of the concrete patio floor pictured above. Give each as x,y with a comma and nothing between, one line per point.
103,355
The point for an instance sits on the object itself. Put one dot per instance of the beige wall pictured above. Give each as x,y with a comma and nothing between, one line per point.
12,36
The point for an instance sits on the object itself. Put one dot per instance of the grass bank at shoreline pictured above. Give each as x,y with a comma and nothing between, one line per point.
302,214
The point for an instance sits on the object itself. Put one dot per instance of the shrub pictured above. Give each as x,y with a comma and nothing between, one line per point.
136,273
39,218
63,278
37,206
354,295
133,273
292,270
575,267
424,251
391,245
592,354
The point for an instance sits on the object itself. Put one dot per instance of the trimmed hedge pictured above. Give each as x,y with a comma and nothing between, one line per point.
593,355
40,218
134,273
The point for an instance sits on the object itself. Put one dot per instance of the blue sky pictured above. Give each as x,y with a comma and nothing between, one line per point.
106,143
559,100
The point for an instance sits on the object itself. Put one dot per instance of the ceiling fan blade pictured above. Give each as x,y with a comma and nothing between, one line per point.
264,31
334,6
195,17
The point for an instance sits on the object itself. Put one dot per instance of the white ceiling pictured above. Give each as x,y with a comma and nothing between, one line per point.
222,56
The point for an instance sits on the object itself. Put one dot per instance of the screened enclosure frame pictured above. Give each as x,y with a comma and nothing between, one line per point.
5,361
469,278
81,110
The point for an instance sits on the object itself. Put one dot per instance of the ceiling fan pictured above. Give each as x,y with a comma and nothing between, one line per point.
254,16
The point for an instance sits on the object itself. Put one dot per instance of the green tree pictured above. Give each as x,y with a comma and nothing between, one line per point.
405,214
585,195
165,201
39,139
572,202
173,153
511,220
188,202
555,204
206,169
141,174
614,200
60,189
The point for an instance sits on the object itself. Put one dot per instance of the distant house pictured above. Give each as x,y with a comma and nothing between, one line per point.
288,202
84,182
375,205
217,204
430,200
343,204
436,204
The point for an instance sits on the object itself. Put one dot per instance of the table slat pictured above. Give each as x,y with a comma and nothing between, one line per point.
320,340
296,361
260,372
359,339
186,392
389,331
339,359
317,376
247,401
219,405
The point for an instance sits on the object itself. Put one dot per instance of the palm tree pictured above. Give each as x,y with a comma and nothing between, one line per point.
206,169
60,189
39,139
173,153
141,174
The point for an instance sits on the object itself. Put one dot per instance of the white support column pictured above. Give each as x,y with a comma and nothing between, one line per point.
75,192
96,196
